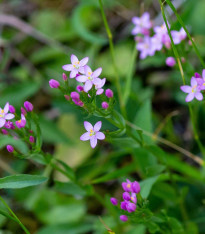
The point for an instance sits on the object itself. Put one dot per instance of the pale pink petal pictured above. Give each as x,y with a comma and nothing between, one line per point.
9,116
2,122
97,72
6,108
193,81
136,30
73,73
189,97
145,17
88,86
81,78
97,126
73,59
186,88
23,117
88,126
97,81
93,141
67,67
81,70
100,135
203,73
99,91
199,96
87,70
84,61
135,20
85,137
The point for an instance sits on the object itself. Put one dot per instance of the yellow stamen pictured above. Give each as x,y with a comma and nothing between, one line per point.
128,185
2,111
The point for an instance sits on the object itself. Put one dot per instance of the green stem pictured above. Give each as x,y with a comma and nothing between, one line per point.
117,80
196,136
16,218
187,32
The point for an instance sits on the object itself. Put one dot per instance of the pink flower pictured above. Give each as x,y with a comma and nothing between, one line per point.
146,48
54,84
22,122
92,133
133,198
142,24
105,105
75,66
109,93
9,125
170,61
31,139
64,77
12,109
28,106
127,186
178,36
4,115
193,90
114,201
99,83
123,218
10,148
135,187
89,77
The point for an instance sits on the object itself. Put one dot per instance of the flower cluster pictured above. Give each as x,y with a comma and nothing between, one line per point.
11,124
196,87
152,38
87,94
129,202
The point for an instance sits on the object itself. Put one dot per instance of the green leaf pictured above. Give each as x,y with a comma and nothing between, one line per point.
155,169
146,186
16,143
69,171
21,181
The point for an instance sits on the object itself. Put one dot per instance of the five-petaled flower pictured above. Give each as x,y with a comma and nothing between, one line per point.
4,115
92,133
142,24
193,90
76,66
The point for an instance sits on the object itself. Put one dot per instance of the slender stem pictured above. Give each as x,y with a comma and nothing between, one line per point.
196,136
117,80
16,218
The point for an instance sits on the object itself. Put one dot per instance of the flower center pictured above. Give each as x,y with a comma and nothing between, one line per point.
132,198
89,76
128,185
92,132
76,64
194,89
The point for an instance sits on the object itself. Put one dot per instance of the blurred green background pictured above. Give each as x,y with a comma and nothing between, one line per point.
37,37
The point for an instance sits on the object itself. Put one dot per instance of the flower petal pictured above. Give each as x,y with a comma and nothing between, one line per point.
88,126
97,126
193,81
203,73
93,141
85,137
100,135
2,122
97,72
88,86
81,78
67,67
199,96
186,88
99,91
6,108
84,61
73,73
73,58
189,97
9,116
87,70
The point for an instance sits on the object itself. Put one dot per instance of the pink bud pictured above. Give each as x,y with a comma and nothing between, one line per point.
114,201
183,59
64,77
67,97
123,218
23,111
105,105
109,93
54,84
79,88
12,109
74,95
135,187
10,148
4,131
31,139
197,75
126,196
170,61
28,106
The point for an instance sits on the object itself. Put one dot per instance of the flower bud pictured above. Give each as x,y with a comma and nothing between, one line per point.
126,196
135,187
54,84
23,111
105,105
123,218
4,131
79,88
12,109
170,61
64,77
10,148
123,205
109,93
131,207
114,201
28,106
74,95
67,97
197,75
31,139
